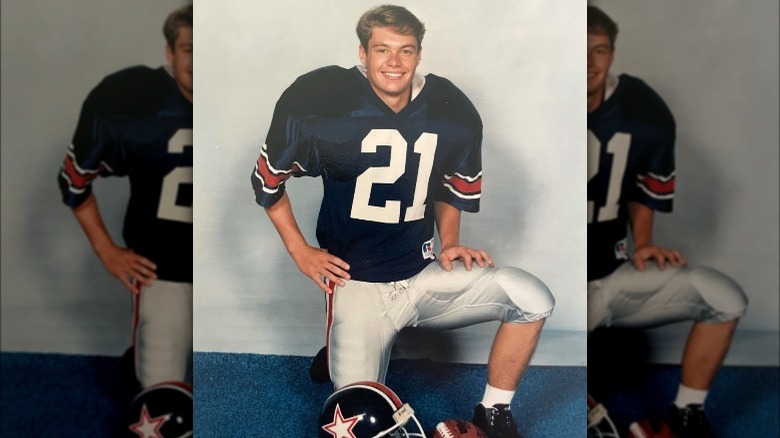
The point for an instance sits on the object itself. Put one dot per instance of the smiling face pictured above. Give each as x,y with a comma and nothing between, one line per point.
600,57
391,60
180,59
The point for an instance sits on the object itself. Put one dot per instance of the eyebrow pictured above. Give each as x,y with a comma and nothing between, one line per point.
405,46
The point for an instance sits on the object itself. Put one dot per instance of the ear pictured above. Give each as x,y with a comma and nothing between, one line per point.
169,54
362,54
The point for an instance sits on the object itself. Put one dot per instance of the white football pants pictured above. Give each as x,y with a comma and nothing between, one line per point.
364,318
162,333
642,299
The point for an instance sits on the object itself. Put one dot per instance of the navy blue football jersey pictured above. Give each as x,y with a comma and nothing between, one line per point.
630,159
382,171
137,123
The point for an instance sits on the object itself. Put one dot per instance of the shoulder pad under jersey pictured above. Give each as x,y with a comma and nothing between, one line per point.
447,102
638,100
326,92
133,91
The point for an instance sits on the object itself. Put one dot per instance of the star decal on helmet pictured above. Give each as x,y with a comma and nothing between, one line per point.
148,427
342,427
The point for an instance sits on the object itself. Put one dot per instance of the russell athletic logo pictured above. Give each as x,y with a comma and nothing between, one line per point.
427,250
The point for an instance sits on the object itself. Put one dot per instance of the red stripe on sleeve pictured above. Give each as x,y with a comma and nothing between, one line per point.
657,186
271,180
78,180
464,186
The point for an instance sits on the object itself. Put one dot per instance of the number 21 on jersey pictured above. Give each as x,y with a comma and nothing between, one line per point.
168,208
390,213
617,146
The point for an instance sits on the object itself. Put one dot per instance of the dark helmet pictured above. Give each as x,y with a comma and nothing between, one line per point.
367,410
161,411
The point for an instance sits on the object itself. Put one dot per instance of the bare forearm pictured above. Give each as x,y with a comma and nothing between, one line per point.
88,216
448,224
315,263
641,219
131,269
284,221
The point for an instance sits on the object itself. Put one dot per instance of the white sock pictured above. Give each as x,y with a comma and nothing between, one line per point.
495,396
687,396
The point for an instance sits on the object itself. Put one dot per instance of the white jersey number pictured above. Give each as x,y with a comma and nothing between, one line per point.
390,213
618,146
167,208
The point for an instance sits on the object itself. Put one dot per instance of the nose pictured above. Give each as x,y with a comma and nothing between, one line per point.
394,59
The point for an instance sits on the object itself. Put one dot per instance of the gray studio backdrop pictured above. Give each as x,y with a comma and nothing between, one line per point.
56,297
523,66
715,63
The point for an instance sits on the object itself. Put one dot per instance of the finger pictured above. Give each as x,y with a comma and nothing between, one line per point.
127,281
467,259
639,263
488,259
320,282
445,262
145,262
140,270
479,258
142,276
334,279
340,263
661,261
672,257
338,272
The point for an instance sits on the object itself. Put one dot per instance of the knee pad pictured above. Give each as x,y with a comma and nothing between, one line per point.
528,293
721,293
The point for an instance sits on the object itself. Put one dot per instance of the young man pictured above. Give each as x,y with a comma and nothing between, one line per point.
138,123
397,152
631,135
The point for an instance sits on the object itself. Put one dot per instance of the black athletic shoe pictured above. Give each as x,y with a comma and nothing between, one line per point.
318,371
689,422
496,422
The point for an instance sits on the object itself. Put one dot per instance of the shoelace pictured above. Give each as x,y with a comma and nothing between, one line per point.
504,422
693,416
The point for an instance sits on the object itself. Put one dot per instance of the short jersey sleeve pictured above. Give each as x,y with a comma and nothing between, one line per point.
291,146
655,179
654,132
94,151
461,185
460,135
288,151
97,147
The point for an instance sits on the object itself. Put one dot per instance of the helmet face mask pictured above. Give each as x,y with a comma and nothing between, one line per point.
367,410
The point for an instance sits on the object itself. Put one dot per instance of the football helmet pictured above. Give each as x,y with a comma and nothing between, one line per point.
599,423
163,410
367,410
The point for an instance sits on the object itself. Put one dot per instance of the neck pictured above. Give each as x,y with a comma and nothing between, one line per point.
396,103
595,99
187,94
